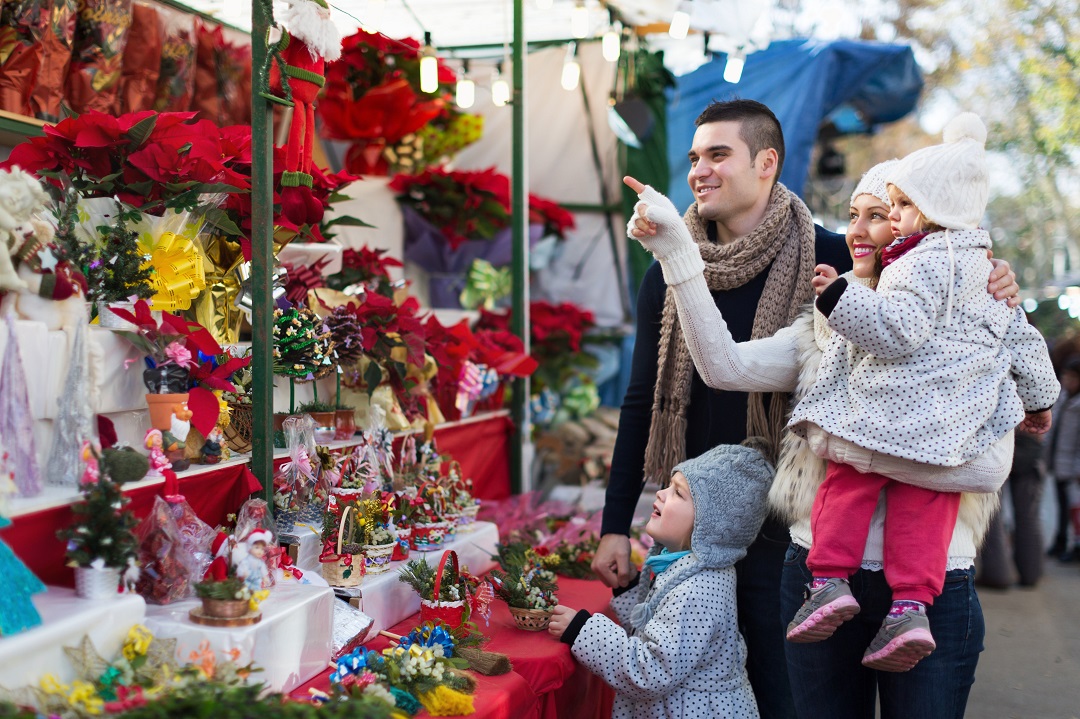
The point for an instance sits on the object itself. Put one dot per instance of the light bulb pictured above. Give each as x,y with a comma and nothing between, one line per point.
680,24
610,44
579,21
466,93
734,67
500,91
429,67
571,73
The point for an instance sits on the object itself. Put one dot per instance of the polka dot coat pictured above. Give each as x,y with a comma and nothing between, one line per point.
930,367
688,660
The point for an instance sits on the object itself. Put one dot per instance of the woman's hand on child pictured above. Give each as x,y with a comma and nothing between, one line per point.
1002,283
824,275
1036,422
560,620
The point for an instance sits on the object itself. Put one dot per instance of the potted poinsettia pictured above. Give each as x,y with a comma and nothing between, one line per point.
172,346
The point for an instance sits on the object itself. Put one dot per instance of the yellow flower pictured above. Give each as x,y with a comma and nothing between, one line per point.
444,701
138,642
257,599
84,693
51,685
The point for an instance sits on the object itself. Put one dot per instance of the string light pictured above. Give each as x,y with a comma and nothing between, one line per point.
611,42
579,20
571,71
466,88
500,89
680,22
734,67
429,67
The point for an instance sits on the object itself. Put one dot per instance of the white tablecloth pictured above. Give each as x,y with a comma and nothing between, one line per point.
25,658
386,599
291,644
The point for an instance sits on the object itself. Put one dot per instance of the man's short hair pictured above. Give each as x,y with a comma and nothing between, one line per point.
758,126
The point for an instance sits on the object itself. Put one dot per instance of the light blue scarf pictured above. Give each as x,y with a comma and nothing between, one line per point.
659,562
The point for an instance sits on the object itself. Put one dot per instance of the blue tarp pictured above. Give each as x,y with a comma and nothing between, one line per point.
803,82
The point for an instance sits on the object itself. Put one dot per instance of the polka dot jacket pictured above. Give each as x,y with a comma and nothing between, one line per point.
930,367
688,660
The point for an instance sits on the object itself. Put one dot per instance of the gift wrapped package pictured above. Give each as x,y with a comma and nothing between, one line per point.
176,81
57,39
22,25
101,30
141,65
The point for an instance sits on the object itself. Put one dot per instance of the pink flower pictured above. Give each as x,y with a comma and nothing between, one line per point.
179,354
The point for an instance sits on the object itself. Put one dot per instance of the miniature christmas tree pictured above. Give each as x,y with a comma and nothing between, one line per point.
101,527
125,271
302,344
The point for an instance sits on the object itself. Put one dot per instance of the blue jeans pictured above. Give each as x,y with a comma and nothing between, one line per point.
828,679
757,590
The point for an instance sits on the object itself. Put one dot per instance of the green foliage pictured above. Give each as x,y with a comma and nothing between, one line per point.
231,588
122,261
316,405
101,527
419,575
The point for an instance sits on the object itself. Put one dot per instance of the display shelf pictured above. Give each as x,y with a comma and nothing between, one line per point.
52,497
16,128
291,643
25,658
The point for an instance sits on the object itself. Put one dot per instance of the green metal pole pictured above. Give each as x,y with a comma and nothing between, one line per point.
262,259
519,481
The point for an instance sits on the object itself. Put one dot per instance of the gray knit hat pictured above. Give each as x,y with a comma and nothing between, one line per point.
948,182
729,485
873,182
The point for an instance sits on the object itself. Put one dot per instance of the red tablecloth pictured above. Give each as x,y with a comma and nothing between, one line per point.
212,495
555,684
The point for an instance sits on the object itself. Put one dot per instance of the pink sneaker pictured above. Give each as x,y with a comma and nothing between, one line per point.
825,609
900,643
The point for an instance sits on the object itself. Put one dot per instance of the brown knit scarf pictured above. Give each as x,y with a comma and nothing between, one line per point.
784,240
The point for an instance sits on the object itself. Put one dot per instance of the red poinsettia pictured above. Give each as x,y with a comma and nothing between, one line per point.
365,266
551,215
556,334
462,204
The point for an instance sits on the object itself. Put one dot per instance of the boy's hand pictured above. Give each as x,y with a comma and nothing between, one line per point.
1036,422
824,275
560,620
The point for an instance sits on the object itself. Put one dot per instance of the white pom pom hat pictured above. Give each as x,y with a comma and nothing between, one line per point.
948,182
873,182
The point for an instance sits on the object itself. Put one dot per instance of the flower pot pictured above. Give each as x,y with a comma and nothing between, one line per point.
279,419
344,423
467,521
343,570
161,408
225,608
428,536
111,321
377,557
401,547
451,519
452,614
347,494
531,620
91,583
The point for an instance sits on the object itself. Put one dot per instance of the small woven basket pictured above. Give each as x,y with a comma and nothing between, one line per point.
451,613
343,570
238,433
377,557
531,620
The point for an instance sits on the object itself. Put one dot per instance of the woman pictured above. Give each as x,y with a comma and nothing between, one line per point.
828,678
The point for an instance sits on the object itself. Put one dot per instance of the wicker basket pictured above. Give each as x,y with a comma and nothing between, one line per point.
452,613
238,433
451,519
377,557
467,521
343,570
531,620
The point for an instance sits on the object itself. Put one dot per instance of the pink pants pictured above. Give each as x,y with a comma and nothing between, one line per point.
918,528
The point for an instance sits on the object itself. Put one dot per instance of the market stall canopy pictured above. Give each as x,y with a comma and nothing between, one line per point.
860,84
457,23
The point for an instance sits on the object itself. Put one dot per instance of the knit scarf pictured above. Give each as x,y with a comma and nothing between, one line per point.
783,244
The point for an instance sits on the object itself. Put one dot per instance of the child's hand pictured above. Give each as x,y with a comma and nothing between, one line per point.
824,275
1036,423
560,620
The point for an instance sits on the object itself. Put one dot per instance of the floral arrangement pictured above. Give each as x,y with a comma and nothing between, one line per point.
373,98
555,219
526,587
148,160
456,585
241,377
366,268
462,204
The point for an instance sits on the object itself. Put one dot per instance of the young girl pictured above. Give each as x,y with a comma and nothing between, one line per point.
928,368
681,654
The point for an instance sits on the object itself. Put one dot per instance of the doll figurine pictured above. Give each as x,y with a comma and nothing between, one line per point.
175,438
250,561
158,461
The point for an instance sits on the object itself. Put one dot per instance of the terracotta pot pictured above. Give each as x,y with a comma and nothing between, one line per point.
322,419
161,408
279,419
225,608
344,423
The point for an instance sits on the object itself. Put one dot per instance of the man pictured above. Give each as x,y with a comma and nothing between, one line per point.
760,247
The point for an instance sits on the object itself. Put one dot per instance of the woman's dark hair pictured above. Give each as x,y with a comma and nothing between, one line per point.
758,126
